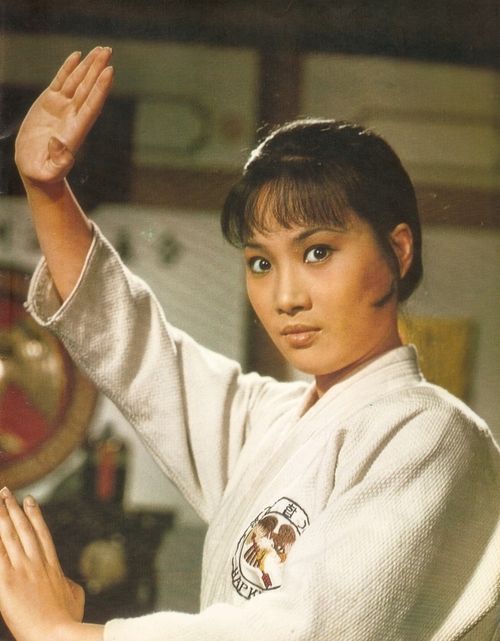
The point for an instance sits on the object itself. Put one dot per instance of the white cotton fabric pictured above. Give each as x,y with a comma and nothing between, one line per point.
399,481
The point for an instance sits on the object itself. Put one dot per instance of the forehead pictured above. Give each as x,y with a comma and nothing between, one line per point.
288,204
293,234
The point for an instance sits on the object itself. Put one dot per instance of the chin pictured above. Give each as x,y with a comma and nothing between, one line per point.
313,362
307,364
309,371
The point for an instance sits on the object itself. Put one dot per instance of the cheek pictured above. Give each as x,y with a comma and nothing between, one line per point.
357,281
376,279
256,297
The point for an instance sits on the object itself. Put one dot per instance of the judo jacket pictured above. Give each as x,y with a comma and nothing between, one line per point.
369,514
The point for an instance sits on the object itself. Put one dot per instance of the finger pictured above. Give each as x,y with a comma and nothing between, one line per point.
42,532
73,79
96,98
4,559
78,598
83,77
92,107
68,66
76,590
22,526
88,83
8,533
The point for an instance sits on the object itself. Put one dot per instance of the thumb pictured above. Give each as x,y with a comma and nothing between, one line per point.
59,154
78,597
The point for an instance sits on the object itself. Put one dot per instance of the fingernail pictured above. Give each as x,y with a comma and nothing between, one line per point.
29,501
5,493
110,49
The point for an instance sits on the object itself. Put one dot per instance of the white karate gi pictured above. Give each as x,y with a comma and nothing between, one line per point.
371,516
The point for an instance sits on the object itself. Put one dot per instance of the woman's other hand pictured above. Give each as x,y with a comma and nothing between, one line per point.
36,600
61,117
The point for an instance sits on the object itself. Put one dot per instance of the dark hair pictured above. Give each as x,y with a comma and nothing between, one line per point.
319,172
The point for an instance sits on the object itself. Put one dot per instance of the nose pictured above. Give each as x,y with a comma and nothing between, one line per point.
291,294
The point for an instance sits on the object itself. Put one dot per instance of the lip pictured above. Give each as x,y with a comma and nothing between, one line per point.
299,335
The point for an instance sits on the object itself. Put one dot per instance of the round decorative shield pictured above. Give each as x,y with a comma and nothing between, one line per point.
45,402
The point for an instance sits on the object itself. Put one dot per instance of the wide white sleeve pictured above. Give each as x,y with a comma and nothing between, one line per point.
406,549
189,404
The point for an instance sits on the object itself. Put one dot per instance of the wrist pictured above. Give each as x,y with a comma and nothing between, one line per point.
76,631
53,190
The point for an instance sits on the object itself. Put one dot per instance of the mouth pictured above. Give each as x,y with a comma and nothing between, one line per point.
299,335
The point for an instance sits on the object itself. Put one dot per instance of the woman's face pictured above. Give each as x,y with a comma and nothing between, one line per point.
326,296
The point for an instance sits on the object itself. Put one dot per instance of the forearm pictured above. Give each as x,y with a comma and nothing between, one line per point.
64,232
48,139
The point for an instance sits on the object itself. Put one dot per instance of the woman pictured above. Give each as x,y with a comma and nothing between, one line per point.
364,506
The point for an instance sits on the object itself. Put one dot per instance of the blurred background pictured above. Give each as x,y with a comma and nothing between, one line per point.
197,84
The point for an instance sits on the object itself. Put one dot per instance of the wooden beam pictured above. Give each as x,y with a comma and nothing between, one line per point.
196,189
446,31
204,189
461,207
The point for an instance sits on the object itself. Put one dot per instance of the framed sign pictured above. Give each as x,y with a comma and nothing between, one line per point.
45,403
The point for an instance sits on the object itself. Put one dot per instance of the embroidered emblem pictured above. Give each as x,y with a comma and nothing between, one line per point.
263,549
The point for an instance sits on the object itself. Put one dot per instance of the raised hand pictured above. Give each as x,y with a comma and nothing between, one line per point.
36,600
59,120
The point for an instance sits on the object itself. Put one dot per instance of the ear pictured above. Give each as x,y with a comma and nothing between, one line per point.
401,240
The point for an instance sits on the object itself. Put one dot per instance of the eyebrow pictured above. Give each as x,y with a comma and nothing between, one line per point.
316,230
303,235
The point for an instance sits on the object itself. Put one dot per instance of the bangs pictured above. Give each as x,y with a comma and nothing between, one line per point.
287,199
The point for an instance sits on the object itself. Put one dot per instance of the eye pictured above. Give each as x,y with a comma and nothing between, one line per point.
259,265
317,254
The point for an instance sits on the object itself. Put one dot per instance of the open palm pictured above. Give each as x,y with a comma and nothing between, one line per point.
59,120
35,596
